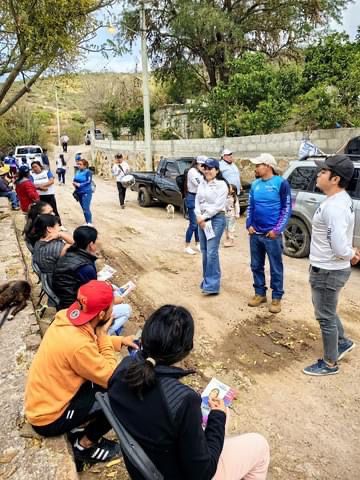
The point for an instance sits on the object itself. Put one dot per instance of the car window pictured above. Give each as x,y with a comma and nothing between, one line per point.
35,150
354,185
301,178
183,165
22,151
171,170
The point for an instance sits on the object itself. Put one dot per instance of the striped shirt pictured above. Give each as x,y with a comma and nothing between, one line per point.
46,254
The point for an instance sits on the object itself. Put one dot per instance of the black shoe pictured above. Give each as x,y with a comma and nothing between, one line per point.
103,451
75,433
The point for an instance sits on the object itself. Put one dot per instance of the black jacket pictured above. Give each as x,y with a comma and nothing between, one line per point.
167,424
66,281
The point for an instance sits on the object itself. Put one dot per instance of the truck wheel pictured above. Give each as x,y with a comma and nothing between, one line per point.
297,239
144,198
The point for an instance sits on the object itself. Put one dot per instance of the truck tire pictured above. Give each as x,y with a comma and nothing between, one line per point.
296,239
144,198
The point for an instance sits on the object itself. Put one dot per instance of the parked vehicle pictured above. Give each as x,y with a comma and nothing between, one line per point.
98,134
28,153
306,198
162,186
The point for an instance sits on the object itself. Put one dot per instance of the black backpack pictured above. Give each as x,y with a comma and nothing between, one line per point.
181,182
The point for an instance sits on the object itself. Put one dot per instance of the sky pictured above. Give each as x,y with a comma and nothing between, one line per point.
130,62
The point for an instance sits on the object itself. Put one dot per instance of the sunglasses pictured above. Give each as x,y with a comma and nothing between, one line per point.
205,167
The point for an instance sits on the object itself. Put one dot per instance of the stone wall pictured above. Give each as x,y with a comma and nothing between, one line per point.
284,146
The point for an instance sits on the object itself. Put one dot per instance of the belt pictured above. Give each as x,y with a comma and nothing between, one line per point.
192,193
314,269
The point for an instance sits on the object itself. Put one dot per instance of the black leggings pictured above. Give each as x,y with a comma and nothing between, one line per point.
122,192
50,199
80,410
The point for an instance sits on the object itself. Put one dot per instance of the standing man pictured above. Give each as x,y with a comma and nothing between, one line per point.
229,170
76,359
267,215
331,254
45,159
64,142
119,170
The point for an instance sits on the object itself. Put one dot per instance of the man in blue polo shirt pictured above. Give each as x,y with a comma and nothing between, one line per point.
268,213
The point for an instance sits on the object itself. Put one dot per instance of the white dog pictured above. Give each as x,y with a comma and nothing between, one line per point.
170,209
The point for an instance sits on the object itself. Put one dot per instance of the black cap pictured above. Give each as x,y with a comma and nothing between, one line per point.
339,164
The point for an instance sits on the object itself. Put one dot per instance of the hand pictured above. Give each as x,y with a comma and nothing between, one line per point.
201,222
76,184
271,234
251,230
356,258
102,330
53,236
217,404
129,342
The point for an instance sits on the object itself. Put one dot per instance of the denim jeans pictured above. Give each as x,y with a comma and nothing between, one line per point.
121,313
12,198
192,228
260,245
210,255
85,200
325,289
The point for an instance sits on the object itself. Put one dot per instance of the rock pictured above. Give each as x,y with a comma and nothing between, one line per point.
7,455
32,342
26,431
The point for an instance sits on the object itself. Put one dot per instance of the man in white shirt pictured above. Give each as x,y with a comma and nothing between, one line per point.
331,256
119,170
229,170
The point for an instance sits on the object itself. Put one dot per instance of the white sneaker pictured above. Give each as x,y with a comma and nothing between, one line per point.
198,247
88,224
189,250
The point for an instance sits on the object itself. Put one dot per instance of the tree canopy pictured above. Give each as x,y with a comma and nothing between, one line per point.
42,34
212,33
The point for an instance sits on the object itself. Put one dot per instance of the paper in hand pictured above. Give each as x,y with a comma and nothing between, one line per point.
208,230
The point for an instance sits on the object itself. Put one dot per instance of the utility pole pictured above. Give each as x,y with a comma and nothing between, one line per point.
146,94
57,115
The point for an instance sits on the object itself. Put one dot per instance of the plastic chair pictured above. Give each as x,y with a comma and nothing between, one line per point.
129,446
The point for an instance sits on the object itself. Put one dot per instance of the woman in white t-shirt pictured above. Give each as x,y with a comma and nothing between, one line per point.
119,169
44,183
61,169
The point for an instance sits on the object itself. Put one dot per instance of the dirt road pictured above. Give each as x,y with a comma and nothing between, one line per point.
312,424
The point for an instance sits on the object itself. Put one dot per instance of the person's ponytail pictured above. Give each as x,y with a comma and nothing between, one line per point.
140,376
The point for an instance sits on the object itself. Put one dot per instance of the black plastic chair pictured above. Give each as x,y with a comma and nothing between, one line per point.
129,446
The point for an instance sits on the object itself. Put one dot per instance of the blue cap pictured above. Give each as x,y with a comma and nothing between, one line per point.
212,163
24,169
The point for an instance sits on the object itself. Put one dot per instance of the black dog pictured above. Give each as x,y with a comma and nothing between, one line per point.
13,297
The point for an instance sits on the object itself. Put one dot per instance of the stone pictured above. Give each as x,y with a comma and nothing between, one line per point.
32,342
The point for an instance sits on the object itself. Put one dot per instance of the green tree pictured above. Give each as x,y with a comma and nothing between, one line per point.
210,33
38,35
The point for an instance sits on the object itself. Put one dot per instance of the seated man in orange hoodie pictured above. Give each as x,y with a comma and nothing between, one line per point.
76,358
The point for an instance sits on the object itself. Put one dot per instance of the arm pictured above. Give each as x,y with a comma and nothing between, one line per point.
115,170
337,222
250,210
96,361
285,209
50,180
31,191
220,202
197,203
199,451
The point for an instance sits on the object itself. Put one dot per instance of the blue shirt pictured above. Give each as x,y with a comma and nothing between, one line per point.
83,177
231,174
269,205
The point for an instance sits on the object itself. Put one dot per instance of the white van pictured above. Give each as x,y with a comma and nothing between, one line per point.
27,154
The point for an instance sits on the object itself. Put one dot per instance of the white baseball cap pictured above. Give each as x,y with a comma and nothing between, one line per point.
201,159
226,151
266,159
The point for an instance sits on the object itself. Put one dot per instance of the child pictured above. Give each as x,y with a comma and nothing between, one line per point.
232,212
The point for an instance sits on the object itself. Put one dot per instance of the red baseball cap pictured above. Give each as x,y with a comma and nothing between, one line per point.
92,298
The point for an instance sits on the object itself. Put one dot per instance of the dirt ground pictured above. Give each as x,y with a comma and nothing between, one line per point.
312,424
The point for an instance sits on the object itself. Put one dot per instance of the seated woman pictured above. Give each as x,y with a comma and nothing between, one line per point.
76,268
164,415
51,243
35,209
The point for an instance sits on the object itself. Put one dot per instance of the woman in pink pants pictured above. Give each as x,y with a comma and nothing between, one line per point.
164,415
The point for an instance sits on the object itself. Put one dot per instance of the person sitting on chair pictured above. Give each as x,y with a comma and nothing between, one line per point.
164,415
75,360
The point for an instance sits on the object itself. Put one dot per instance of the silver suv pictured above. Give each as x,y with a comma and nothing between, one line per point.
306,197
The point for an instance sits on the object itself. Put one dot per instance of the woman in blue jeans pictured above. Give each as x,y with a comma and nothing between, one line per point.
193,179
210,205
83,190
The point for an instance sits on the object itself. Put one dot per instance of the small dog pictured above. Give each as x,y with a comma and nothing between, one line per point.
170,209
13,298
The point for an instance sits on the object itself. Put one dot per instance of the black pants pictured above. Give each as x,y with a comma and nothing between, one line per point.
64,147
122,193
51,200
61,175
80,410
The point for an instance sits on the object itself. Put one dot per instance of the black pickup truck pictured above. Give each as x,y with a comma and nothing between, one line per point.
161,186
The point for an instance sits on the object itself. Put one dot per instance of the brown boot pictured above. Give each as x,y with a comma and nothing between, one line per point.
256,300
275,306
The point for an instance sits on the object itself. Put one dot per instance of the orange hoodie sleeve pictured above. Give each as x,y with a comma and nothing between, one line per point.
95,361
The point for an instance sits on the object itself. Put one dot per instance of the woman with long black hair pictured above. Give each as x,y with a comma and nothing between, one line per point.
164,415
193,179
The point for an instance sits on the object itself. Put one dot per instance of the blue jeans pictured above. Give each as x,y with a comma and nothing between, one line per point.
325,289
192,228
12,198
85,200
210,255
260,245
121,313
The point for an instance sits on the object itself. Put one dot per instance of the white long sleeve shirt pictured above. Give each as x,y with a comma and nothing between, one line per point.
211,198
332,233
120,172
194,178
